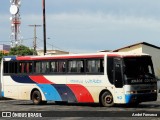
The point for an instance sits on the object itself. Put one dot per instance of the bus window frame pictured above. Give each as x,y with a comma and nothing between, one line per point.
5,70
24,73
11,71
66,72
94,73
57,69
76,73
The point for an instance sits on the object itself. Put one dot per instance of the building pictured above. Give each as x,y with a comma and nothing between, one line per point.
51,52
5,48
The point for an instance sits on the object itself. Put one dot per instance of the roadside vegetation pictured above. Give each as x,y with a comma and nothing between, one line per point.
18,51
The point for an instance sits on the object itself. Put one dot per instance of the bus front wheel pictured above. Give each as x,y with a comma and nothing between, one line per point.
106,99
36,97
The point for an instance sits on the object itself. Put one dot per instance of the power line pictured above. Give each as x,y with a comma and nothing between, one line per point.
27,39
50,44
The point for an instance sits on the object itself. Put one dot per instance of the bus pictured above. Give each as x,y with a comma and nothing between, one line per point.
107,78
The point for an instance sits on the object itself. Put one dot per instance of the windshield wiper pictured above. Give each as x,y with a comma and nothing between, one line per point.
149,75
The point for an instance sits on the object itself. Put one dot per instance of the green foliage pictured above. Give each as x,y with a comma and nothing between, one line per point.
1,55
21,51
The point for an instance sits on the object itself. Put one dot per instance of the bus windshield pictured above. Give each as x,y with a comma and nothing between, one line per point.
138,68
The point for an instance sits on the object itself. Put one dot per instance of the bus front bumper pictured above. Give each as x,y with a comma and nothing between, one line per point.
2,94
129,98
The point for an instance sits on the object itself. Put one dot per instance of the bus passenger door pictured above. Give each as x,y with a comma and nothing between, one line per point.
118,80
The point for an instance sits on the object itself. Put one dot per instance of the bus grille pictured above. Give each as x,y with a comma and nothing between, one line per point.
144,91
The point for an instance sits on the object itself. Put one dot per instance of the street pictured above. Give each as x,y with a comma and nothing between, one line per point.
80,110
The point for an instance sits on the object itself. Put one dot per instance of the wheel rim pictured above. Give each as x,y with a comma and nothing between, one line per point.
108,99
36,98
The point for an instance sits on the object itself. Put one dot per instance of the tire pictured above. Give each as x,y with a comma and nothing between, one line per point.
106,99
36,97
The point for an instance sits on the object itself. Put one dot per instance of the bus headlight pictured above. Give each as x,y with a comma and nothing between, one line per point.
154,90
131,92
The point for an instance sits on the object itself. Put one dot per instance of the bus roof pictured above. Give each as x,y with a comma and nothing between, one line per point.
74,56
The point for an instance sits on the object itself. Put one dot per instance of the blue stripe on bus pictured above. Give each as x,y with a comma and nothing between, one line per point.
57,92
50,92
128,98
11,57
2,93
65,92
22,79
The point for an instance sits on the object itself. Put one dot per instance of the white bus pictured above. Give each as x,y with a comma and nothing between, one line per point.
105,78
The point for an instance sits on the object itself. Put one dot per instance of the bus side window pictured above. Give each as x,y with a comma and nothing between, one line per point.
102,66
81,66
37,67
6,67
53,65
20,67
24,68
61,66
29,67
45,67
15,67
95,66
76,66
57,66
10,67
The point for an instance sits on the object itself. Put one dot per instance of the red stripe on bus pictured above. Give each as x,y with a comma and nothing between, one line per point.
40,79
58,57
23,58
81,93
114,55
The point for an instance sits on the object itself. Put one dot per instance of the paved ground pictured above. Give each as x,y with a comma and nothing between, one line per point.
79,111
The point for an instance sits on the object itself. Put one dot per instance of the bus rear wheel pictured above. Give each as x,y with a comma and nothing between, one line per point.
36,97
106,99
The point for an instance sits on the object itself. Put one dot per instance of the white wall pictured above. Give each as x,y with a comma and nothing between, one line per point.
135,49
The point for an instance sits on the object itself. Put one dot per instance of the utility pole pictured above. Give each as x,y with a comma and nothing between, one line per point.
44,25
35,38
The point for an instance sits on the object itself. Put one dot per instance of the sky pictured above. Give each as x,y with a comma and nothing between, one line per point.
81,26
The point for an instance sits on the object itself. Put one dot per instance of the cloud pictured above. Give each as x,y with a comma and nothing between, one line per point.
88,31
98,19
80,25
5,28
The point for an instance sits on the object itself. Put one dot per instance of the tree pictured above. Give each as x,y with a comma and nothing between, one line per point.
21,50
2,54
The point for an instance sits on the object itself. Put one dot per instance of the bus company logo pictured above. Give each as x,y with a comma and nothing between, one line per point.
21,114
6,114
